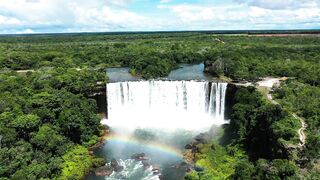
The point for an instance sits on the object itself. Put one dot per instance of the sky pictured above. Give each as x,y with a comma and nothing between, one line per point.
63,16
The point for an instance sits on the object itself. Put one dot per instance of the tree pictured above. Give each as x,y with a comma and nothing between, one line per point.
76,163
25,124
31,172
47,139
243,170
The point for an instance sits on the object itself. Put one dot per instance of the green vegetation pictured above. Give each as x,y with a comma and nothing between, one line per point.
150,56
266,132
46,122
77,163
217,161
304,100
263,128
155,55
251,58
254,144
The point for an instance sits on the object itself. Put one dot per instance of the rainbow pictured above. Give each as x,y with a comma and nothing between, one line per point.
152,145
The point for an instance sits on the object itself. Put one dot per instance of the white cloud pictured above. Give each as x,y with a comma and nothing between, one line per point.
8,21
281,4
119,2
190,13
69,15
165,1
257,12
29,16
107,16
27,31
243,16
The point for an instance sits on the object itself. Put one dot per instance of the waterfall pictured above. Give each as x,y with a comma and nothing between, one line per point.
166,104
159,118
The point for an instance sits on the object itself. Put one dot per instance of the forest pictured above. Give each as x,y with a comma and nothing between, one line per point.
50,102
47,123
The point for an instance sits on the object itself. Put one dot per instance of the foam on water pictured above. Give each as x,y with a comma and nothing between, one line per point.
133,170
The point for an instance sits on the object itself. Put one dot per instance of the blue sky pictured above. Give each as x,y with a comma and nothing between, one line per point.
41,16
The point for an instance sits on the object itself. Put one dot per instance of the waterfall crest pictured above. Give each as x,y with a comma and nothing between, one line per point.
190,105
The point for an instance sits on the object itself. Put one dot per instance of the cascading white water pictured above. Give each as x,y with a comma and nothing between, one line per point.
133,170
188,105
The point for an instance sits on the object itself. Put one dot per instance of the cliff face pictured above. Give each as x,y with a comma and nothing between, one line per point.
230,100
216,67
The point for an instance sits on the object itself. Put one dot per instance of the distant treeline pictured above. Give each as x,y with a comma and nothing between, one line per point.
156,54
221,32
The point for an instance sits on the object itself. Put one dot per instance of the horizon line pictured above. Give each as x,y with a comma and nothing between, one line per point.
240,31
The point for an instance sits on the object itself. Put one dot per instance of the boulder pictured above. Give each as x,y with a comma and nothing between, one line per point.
198,169
156,172
156,169
139,157
213,147
188,146
146,164
115,166
103,171
202,138
186,166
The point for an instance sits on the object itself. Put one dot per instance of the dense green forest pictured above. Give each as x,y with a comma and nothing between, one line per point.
47,120
255,143
153,55
304,100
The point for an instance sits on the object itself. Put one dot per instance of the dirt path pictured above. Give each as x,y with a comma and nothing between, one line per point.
269,96
265,86
25,71
302,135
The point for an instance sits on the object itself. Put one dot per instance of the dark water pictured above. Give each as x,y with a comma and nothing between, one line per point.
189,72
185,72
120,74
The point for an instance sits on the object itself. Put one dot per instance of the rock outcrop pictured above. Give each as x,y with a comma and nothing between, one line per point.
115,166
216,67
104,171
139,157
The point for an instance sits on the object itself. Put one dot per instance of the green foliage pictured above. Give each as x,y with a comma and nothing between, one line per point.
253,58
31,172
76,163
276,169
41,120
25,124
47,139
151,67
261,127
217,161
304,100
12,159
243,170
